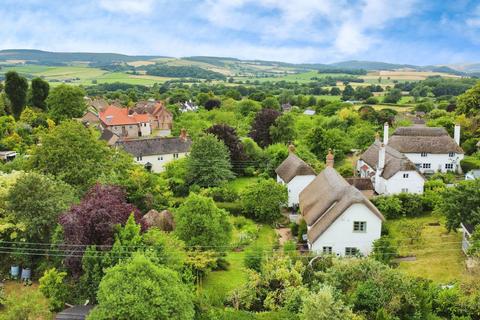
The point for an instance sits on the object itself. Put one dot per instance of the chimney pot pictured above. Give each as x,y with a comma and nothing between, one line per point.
291,148
330,159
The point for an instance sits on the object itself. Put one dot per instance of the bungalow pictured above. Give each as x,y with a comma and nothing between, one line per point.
430,149
296,174
125,125
340,219
154,153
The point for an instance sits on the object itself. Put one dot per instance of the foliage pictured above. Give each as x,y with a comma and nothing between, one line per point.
393,96
320,140
25,305
383,250
138,289
176,173
53,287
208,162
474,248
40,90
182,72
16,88
200,223
254,258
260,132
230,138
66,102
411,230
270,103
469,102
263,200
36,201
323,305
283,130
470,162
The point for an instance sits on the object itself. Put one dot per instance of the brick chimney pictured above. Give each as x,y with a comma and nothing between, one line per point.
183,134
330,159
291,148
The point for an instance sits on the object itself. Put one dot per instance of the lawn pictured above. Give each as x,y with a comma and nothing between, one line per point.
438,255
240,184
218,284
19,293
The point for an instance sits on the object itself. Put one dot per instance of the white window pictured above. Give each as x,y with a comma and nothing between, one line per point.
427,165
160,158
359,226
451,154
405,175
423,154
449,166
351,251
175,155
405,190
327,250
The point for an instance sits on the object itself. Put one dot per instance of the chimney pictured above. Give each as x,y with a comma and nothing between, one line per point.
330,159
377,136
381,158
183,134
385,133
291,148
456,134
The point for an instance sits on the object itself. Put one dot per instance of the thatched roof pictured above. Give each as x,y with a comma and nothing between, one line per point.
326,198
293,166
394,160
418,139
361,184
162,220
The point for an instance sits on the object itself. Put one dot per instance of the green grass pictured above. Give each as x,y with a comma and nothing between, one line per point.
438,255
218,284
329,97
240,184
298,77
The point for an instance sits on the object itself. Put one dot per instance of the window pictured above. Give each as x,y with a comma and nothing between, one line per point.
405,175
427,165
359,226
139,158
449,166
327,250
451,154
175,156
423,154
351,251
160,158
405,190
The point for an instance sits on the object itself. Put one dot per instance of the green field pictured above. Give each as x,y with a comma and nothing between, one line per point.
297,77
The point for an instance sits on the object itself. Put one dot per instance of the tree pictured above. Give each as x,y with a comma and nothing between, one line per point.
208,163
283,130
335,91
383,250
469,102
138,289
53,287
66,102
72,153
37,201
263,200
323,305
320,140
247,106
230,138
16,88
40,89
260,132
462,204
348,93
393,96
270,103
199,222
211,104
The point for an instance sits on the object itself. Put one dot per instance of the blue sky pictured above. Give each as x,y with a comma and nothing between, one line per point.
400,31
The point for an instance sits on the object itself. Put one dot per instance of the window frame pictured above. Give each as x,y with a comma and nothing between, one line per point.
351,251
423,154
362,226
406,175
327,250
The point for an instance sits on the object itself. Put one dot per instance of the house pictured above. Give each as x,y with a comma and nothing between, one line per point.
467,231
472,174
90,117
161,118
154,153
364,185
109,137
431,149
125,125
340,219
74,313
296,174
391,172
7,155
188,106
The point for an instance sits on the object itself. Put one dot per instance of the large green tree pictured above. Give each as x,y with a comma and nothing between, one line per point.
66,102
40,90
199,222
264,199
320,140
37,201
138,289
469,102
16,88
283,130
209,162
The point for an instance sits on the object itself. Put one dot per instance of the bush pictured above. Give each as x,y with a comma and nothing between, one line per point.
53,288
383,250
263,200
470,163
234,208
302,229
254,258
221,194
390,207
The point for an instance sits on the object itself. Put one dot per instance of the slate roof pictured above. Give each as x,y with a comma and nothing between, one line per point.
418,139
156,146
326,198
394,161
293,166
74,313
110,137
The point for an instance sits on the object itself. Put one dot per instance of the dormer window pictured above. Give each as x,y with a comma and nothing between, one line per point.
423,154
451,154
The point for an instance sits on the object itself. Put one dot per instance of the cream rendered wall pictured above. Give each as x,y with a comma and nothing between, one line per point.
158,161
414,183
340,234
145,129
437,161
295,186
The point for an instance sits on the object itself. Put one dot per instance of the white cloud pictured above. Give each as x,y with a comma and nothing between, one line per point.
128,6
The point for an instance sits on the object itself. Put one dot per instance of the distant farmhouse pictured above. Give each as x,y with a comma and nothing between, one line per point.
160,118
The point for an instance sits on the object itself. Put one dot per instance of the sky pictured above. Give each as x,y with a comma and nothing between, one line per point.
419,32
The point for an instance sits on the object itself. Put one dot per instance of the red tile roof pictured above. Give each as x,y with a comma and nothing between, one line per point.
114,116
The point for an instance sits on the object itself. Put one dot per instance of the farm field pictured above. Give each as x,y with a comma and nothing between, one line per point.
438,254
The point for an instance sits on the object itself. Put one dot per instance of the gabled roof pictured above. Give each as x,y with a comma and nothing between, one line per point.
293,166
114,116
156,146
326,198
110,137
362,184
418,139
394,160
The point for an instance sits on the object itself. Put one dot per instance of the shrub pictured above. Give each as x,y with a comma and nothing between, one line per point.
254,258
264,199
470,163
302,229
383,250
53,288
221,194
390,207
234,208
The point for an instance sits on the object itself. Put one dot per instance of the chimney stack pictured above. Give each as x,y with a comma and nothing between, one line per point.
385,133
456,134
330,159
381,158
291,148
183,134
